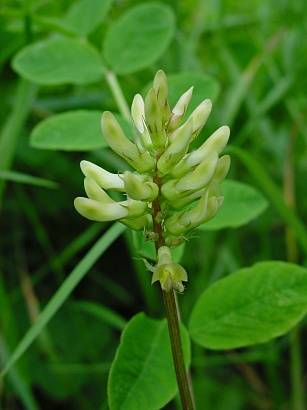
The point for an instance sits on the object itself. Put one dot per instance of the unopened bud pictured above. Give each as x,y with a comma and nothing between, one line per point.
138,223
98,211
138,188
177,149
170,192
200,176
135,208
120,144
154,119
138,112
200,116
161,88
94,191
138,116
179,110
215,143
222,168
205,209
103,178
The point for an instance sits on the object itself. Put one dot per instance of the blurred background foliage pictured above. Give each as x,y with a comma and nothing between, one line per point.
256,52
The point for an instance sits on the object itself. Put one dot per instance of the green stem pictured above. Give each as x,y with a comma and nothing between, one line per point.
118,94
173,319
173,315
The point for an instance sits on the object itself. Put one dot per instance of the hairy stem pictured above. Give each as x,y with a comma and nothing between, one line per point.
173,320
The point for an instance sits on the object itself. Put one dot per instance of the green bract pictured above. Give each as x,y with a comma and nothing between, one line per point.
183,185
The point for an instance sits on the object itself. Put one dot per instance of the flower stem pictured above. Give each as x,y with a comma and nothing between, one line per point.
118,94
170,303
173,319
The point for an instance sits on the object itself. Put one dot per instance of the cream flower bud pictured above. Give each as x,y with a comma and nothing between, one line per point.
161,88
200,116
179,110
189,198
138,116
138,188
222,168
135,208
138,112
94,191
215,143
177,149
170,192
103,178
200,176
99,211
120,144
154,119
205,209
169,274
138,223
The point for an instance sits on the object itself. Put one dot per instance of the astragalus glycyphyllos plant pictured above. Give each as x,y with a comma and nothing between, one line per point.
171,192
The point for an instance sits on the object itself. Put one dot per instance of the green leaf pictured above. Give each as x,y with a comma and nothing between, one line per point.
22,178
70,131
205,86
142,375
59,60
242,203
83,18
251,306
139,37
64,291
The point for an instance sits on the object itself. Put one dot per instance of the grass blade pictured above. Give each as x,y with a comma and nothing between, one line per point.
63,292
27,179
20,387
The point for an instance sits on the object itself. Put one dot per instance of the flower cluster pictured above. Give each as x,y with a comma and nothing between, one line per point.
170,187
185,184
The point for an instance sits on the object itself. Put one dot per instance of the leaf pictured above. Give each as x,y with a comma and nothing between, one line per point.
142,375
59,60
205,86
64,291
83,18
22,178
251,306
70,131
139,37
242,203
